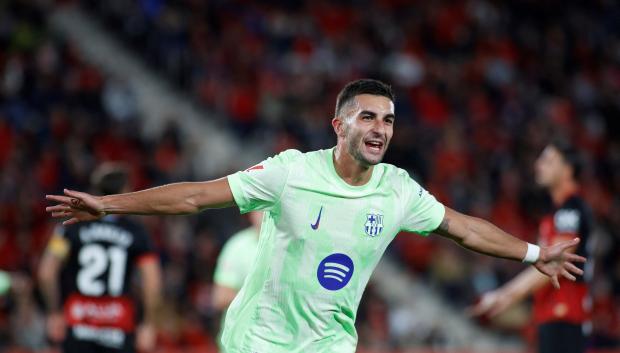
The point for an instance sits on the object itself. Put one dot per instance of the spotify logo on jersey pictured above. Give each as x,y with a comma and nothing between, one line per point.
335,271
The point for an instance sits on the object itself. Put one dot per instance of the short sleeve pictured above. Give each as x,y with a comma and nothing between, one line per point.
260,187
422,212
143,246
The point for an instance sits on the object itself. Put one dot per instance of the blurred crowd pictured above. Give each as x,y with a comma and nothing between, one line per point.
481,87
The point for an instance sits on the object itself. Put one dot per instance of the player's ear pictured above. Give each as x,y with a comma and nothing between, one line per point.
338,126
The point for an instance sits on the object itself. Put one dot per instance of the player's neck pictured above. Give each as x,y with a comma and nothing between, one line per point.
349,169
562,191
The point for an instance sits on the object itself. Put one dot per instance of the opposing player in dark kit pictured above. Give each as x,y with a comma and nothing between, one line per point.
560,313
85,277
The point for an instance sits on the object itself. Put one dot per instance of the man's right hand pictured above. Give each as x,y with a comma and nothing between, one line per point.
492,304
76,206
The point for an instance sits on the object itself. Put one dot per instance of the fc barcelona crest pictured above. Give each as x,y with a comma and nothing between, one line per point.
374,224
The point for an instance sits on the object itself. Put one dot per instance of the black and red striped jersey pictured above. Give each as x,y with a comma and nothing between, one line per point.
570,303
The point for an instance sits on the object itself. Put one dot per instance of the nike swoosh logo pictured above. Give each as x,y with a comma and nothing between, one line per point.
315,226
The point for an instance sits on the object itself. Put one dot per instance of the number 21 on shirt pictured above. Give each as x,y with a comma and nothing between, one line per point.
94,260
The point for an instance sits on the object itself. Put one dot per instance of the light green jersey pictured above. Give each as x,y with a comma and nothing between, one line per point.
235,262
236,259
320,240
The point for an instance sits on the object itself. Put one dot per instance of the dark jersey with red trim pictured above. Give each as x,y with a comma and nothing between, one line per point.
570,303
97,273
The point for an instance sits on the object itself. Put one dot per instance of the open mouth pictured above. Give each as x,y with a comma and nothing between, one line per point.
374,145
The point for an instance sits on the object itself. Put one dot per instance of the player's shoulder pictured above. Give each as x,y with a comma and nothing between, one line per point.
130,226
293,156
569,215
402,182
573,205
242,239
574,202
572,213
288,156
395,174
394,170
243,235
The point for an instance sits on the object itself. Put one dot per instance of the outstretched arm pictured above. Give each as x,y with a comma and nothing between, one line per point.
482,236
499,300
171,199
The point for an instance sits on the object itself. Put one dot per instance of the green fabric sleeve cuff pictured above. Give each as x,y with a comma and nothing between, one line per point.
439,212
234,181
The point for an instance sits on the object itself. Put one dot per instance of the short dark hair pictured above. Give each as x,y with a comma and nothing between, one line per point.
570,154
109,178
363,86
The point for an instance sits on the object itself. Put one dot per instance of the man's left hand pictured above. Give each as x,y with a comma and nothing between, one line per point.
559,260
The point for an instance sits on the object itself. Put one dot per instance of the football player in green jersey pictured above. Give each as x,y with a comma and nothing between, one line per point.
328,217
234,263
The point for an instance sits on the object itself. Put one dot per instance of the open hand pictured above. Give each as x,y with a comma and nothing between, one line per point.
559,260
76,206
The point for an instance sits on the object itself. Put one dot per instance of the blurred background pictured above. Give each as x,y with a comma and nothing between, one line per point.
193,90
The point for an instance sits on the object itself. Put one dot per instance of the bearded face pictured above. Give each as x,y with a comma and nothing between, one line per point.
368,123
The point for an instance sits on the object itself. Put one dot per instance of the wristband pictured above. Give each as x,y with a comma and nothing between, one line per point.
533,252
